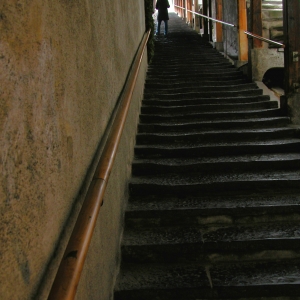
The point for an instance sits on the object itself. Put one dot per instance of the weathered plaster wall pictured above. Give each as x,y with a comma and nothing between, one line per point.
263,60
104,257
230,12
62,67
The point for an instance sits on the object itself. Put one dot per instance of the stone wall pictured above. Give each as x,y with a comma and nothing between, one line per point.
62,67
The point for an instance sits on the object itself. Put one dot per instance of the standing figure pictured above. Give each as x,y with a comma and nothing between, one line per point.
162,7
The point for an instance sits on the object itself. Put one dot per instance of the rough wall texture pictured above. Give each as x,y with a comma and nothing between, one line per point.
263,60
294,108
230,12
62,67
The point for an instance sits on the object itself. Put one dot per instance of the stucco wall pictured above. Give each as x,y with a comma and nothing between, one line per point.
263,60
62,67
230,12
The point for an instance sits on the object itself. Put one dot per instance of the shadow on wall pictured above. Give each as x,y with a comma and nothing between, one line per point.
274,77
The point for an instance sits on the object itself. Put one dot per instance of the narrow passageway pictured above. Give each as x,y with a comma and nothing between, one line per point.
214,204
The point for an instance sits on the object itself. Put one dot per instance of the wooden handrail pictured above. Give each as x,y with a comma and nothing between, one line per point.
68,275
264,39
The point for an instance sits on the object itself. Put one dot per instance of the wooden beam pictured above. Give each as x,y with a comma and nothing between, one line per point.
205,22
291,24
256,21
243,40
219,16
196,18
190,15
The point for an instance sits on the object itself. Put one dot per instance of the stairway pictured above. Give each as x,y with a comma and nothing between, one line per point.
214,204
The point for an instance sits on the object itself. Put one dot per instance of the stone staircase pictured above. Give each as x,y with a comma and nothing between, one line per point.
214,204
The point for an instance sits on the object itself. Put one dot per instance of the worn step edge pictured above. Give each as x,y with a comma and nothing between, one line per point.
192,83
210,136
194,186
199,79
263,162
206,108
186,244
233,203
208,94
228,115
211,237
202,100
213,125
202,88
185,281
270,146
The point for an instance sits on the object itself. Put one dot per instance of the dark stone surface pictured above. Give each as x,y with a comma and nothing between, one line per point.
214,208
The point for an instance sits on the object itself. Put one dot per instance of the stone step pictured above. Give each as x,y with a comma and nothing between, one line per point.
203,72
197,65
228,115
196,125
194,183
192,69
204,94
183,244
216,149
219,136
202,88
214,210
180,60
195,281
178,56
222,163
202,108
200,101
153,84
198,79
